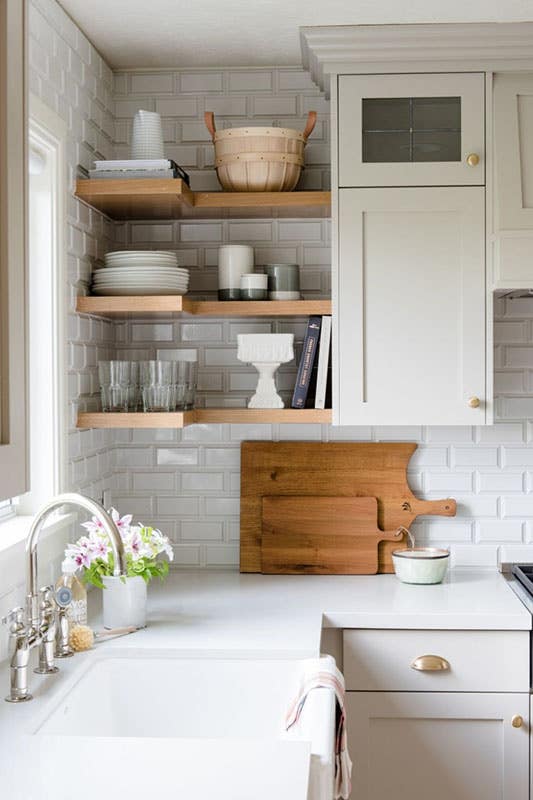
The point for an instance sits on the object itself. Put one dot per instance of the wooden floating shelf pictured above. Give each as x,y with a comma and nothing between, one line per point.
176,304
206,416
169,198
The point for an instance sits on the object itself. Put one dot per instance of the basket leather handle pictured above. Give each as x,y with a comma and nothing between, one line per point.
310,126
209,118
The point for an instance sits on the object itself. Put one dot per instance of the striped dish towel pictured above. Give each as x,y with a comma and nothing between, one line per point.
322,673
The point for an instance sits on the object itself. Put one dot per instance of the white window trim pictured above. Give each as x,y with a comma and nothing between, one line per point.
48,132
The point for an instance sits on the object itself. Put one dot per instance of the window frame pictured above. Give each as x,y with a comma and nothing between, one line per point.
14,461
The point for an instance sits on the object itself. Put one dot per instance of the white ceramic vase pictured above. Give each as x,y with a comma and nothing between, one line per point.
124,602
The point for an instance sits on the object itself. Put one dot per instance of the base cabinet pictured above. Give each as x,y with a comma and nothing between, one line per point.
420,745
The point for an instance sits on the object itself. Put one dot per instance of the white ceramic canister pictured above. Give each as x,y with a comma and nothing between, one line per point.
124,602
234,261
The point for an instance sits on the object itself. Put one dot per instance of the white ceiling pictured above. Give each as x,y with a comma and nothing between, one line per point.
203,33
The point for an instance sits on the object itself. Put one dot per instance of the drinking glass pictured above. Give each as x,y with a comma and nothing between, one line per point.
156,382
185,384
114,377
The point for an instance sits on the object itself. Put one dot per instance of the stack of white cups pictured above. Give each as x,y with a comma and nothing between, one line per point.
147,138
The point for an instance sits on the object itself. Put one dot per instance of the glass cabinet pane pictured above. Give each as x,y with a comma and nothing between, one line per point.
410,129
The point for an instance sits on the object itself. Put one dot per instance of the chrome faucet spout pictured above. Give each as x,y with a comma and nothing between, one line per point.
94,508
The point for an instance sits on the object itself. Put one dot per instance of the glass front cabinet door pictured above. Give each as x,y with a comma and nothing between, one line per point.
412,130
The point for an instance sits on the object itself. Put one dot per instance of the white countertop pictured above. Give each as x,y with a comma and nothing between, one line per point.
222,613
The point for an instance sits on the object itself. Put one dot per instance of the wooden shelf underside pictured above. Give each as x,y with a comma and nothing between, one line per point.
206,416
176,304
162,198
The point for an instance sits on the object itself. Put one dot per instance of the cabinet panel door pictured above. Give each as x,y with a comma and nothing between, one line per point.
411,130
410,307
513,141
415,746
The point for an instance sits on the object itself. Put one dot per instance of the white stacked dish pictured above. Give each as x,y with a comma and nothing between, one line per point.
134,272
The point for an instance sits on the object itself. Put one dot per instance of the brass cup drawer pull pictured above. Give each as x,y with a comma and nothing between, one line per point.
430,663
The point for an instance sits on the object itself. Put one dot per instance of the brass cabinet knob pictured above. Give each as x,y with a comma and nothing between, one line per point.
430,664
474,402
472,159
517,721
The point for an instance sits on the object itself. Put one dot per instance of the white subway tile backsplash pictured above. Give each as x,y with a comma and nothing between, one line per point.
518,506
229,457
502,432
474,556
274,107
518,456
250,81
202,481
500,481
447,433
202,531
201,82
475,456
154,481
450,531
222,555
222,506
226,106
446,482
176,106
182,456
151,83
179,506
498,531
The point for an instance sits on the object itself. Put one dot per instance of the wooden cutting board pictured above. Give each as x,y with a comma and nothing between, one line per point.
334,469
321,536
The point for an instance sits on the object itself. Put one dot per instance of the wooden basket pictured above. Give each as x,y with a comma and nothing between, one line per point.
259,159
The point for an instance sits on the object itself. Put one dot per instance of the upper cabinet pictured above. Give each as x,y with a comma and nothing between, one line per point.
411,345
513,206
410,288
412,130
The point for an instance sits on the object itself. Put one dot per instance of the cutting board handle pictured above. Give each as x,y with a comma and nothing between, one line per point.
395,535
443,508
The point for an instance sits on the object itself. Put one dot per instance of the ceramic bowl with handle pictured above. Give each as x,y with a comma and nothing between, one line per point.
421,564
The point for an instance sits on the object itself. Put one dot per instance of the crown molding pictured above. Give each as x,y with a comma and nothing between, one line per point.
485,47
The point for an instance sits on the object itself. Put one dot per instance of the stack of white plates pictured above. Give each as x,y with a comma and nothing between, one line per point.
134,272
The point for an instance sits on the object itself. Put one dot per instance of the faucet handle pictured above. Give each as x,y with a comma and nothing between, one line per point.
46,596
15,619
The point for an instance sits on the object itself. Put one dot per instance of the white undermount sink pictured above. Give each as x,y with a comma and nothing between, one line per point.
162,695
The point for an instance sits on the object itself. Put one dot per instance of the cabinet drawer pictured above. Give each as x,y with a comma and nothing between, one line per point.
479,661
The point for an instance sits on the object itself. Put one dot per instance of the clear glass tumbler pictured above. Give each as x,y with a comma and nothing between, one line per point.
134,394
114,377
156,383
186,376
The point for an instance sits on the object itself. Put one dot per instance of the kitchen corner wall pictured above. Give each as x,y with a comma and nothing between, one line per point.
68,75
187,482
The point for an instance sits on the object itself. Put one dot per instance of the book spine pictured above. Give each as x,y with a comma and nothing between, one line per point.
307,360
323,361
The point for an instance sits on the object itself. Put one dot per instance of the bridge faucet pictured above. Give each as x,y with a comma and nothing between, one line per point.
37,624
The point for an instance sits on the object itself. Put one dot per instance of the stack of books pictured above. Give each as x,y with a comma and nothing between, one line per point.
313,382
139,168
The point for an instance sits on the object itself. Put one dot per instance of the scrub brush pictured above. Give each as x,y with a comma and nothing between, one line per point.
82,637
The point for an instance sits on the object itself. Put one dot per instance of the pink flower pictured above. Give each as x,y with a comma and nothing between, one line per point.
100,549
